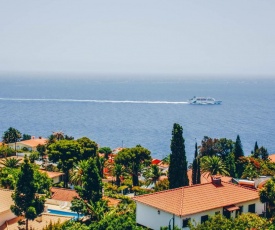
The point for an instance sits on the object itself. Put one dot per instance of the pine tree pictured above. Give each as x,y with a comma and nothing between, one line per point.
26,202
177,172
263,153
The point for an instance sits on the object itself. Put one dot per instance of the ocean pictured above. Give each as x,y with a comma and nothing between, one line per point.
117,113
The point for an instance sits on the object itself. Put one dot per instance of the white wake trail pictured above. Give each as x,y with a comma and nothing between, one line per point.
93,101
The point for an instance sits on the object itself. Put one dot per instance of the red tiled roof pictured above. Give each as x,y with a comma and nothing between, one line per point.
198,198
155,161
63,194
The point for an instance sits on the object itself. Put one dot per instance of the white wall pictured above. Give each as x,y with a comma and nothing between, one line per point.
5,216
149,217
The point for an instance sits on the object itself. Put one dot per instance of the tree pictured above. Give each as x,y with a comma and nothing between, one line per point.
26,137
59,135
41,149
5,150
267,195
244,221
263,153
26,200
91,189
255,153
8,177
208,146
76,177
106,151
195,167
132,159
238,152
230,164
88,146
213,166
152,174
12,135
118,169
65,153
224,147
162,185
10,162
177,172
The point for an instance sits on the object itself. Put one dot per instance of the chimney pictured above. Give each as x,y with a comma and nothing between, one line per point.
216,180
33,137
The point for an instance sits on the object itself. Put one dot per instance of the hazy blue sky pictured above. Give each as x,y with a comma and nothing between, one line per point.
204,37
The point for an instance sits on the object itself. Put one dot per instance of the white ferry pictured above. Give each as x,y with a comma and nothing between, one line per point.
203,101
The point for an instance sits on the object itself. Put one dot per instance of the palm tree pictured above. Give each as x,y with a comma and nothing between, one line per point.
77,173
213,165
59,135
118,170
152,174
10,162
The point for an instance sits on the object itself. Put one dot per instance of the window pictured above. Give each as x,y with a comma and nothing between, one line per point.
240,211
251,208
204,218
185,222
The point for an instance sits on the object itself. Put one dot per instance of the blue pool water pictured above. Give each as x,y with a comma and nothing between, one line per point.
64,213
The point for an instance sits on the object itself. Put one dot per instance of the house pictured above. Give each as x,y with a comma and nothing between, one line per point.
5,203
55,176
197,203
61,196
29,144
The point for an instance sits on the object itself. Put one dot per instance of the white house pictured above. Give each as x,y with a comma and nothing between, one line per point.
5,203
197,202
29,144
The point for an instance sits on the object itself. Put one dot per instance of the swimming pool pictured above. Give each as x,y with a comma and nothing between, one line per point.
64,213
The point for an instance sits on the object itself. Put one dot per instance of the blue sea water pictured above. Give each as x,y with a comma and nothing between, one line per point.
130,112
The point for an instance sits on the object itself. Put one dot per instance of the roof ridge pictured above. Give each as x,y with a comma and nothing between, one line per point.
237,185
163,191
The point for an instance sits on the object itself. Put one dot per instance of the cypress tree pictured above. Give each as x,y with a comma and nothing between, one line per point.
198,170
195,166
256,150
238,152
177,172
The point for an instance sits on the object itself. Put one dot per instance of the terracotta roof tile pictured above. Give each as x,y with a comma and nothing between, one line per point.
52,174
63,194
34,142
198,198
272,157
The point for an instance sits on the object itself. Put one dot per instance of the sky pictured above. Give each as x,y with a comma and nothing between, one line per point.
138,37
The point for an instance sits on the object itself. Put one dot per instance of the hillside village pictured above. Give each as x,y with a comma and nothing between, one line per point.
84,186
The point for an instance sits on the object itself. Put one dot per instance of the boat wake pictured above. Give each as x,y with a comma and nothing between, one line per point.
93,101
